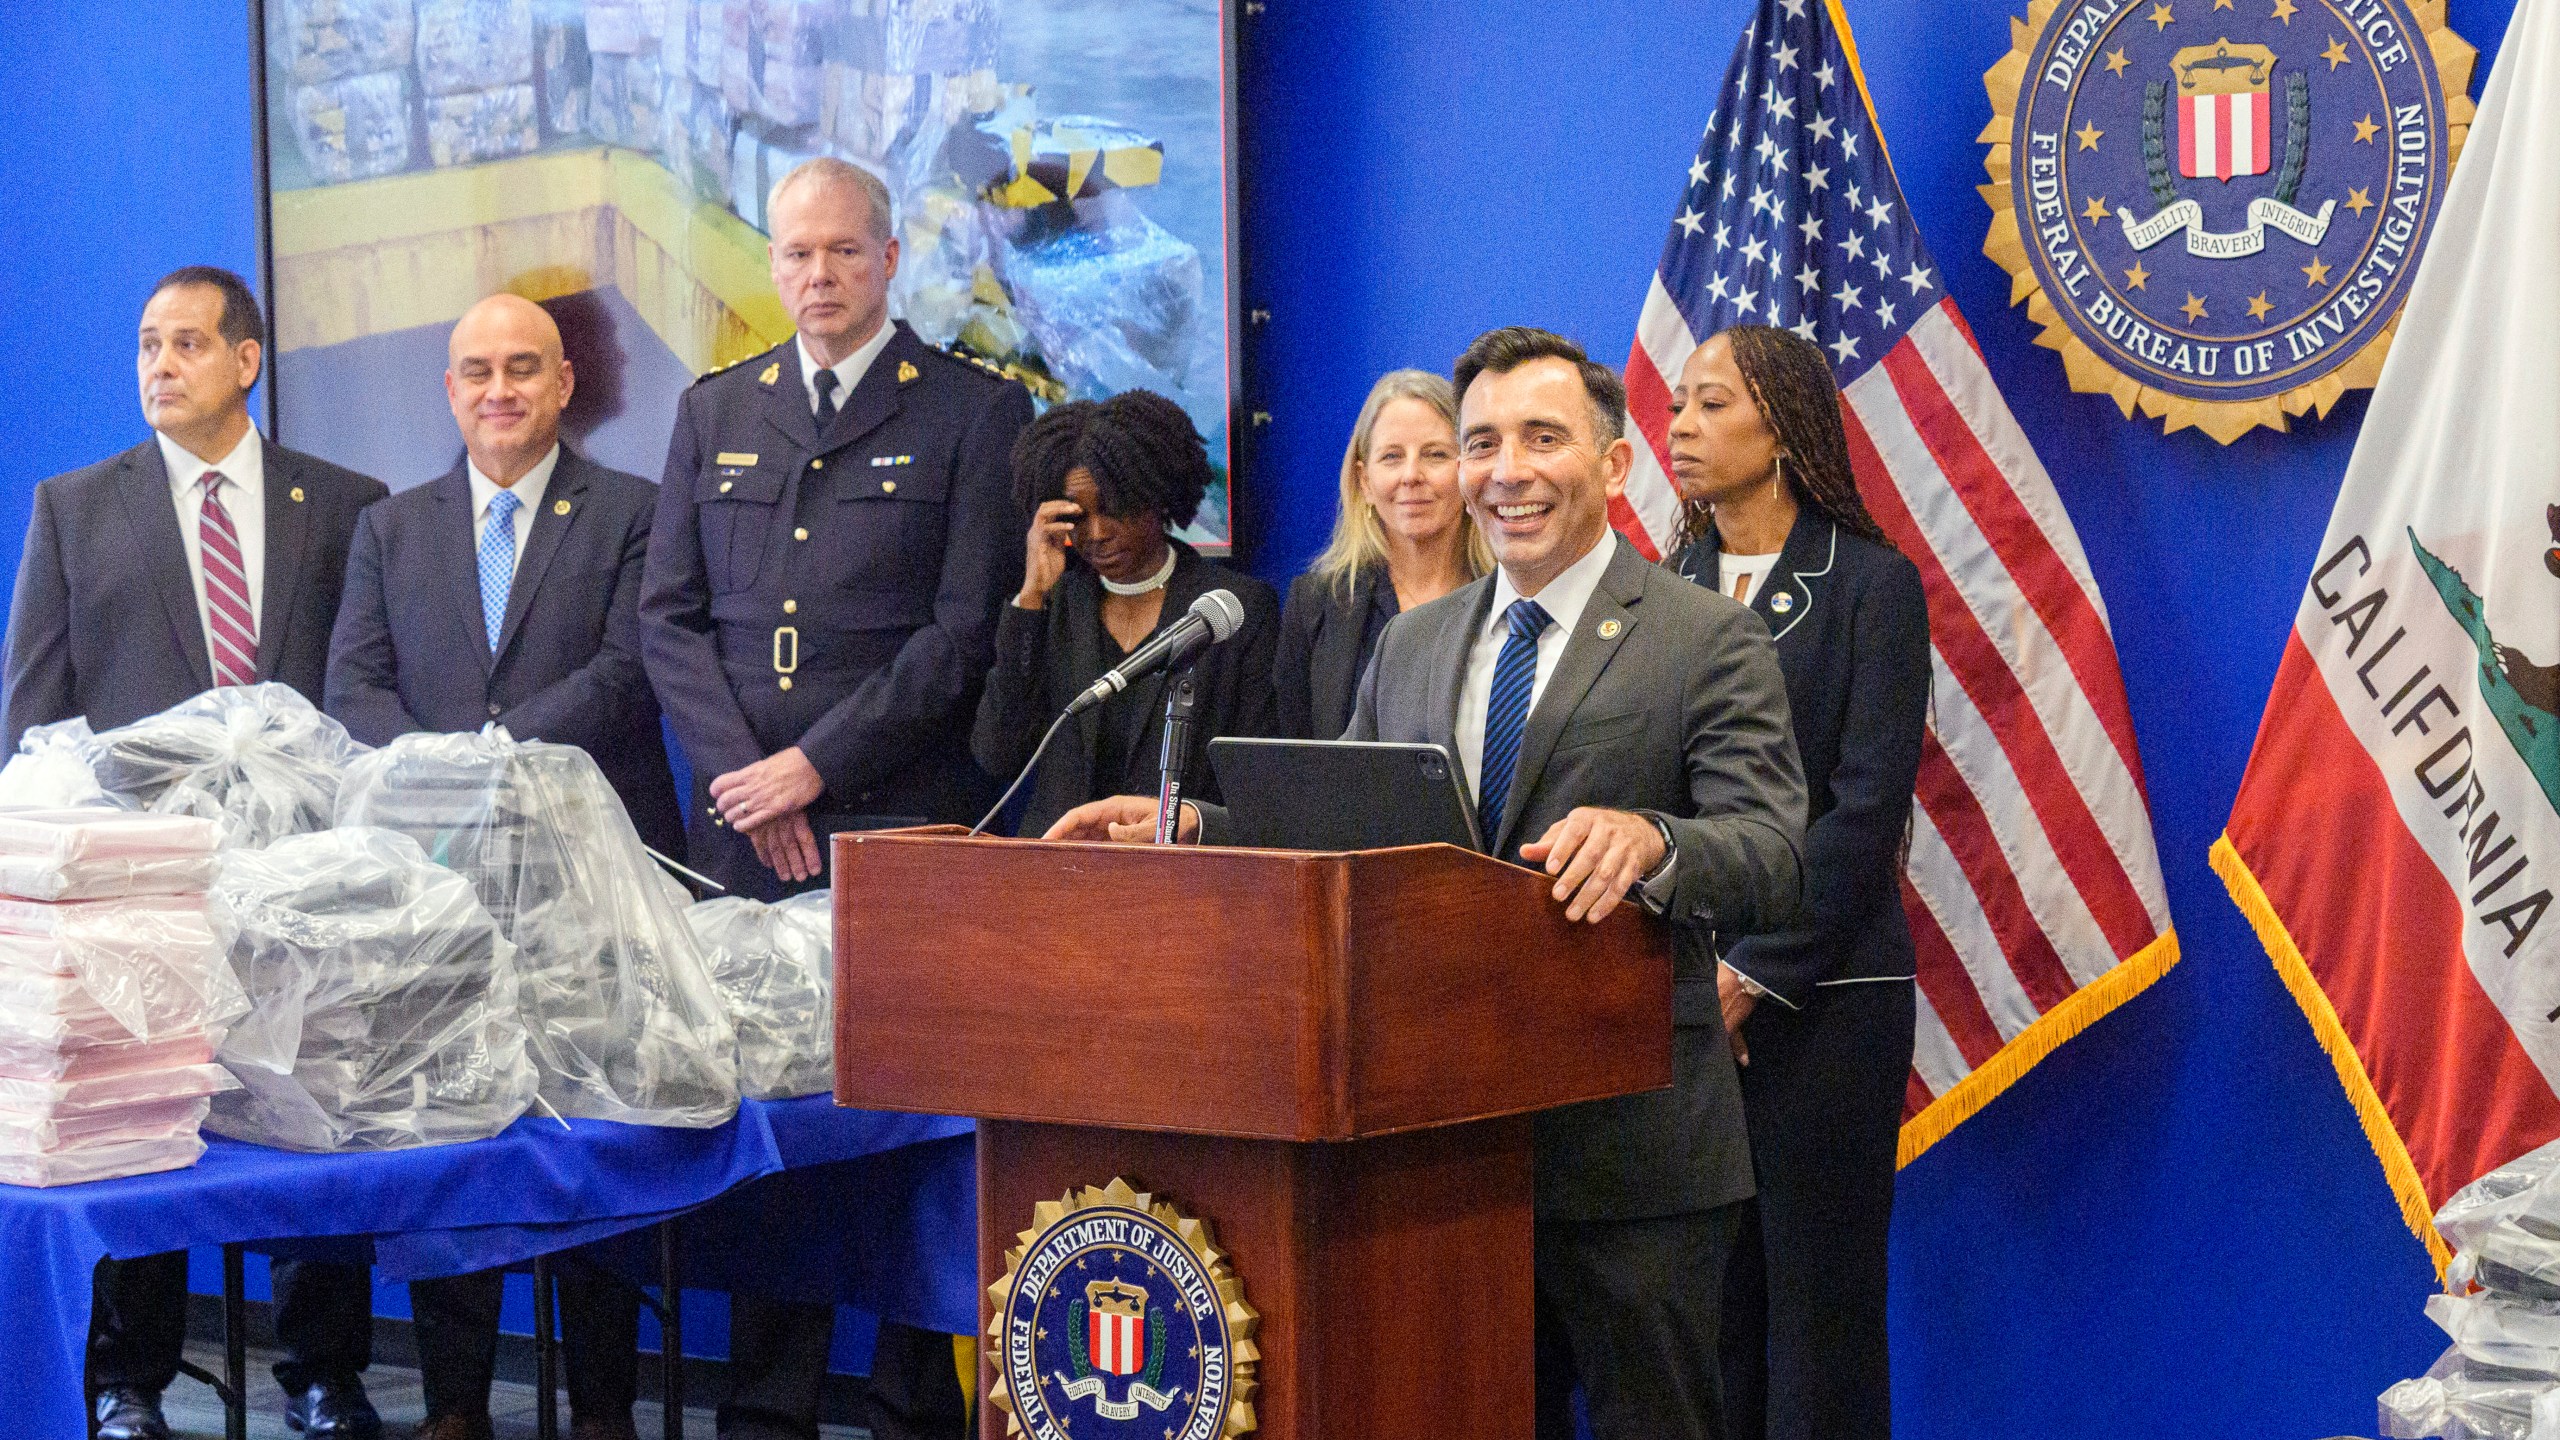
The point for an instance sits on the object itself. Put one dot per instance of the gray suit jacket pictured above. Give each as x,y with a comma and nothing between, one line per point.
1681,713
106,622
411,650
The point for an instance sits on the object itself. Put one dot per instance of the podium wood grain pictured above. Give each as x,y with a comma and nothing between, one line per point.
1329,1058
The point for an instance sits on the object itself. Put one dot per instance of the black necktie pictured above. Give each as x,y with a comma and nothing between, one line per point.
826,383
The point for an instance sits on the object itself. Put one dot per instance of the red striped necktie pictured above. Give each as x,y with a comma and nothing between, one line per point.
226,591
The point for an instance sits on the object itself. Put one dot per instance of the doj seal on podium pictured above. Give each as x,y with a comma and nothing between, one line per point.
2214,207
1117,1317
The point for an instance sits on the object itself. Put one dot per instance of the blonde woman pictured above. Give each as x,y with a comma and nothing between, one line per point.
1402,539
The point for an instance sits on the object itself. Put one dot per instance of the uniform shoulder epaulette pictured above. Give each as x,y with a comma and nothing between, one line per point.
725,369
966,356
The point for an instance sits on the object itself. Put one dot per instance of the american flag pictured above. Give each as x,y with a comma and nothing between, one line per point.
2033,885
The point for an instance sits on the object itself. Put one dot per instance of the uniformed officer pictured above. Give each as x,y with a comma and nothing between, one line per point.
835,534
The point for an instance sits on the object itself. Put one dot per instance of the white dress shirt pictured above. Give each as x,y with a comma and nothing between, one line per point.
244,498
528,490
1564,600
849,370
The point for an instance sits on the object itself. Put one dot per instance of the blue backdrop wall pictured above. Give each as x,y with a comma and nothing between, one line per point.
2173,1226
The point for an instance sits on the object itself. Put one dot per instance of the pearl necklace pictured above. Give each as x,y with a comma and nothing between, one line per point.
1152,582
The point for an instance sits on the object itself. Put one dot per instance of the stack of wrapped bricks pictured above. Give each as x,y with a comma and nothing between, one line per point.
114,993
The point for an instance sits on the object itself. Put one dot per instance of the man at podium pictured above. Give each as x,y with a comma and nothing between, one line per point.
1628,734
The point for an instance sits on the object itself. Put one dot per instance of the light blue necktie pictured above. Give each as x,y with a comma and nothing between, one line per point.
498,563
1506,711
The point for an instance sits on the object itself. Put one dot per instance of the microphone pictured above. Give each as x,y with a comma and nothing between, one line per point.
1212,618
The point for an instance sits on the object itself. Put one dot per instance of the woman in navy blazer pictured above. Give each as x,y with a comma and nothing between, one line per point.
1402,538
1822,1013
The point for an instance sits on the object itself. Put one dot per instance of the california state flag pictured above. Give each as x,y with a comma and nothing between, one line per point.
2396,841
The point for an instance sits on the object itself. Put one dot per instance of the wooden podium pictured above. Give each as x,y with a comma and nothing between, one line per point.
1330,1059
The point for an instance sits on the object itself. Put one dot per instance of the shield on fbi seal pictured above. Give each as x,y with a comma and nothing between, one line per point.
1115,1323
2225,123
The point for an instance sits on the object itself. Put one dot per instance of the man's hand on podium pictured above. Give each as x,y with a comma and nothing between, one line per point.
1597,856
1124,819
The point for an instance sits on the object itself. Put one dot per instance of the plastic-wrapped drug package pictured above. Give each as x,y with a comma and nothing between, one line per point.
623,1018
774,62
311,41
482,125
383,999
152,963
1111,300
613,27
466,45
83,854
102,1162
922,37
2500,1378
560,65
775,966
260,761
355,128
755,165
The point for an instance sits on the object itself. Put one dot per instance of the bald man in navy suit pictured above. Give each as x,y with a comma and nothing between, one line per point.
508,592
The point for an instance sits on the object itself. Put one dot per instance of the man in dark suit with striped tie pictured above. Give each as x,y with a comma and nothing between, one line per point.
204,556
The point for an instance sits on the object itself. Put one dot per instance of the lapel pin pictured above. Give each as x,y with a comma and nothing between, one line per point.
1609,629
1781,603
771,373
559,507
906,371
297,494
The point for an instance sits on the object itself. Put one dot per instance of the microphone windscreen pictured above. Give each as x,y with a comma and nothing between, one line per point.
1222,611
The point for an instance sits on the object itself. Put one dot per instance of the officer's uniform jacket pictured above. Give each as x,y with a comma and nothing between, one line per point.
835,591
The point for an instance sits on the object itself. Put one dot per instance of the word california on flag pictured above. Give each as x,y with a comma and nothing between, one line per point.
2396,840
2032,885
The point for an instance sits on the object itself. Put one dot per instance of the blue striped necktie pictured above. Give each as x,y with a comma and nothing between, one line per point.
1506,711
497,563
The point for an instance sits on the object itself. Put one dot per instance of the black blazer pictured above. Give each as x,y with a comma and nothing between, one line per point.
410,652
1852,630
1325,642
1045,657
106,622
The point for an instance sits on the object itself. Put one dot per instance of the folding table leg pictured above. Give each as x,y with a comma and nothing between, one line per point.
235,1344
546,1355
671,1330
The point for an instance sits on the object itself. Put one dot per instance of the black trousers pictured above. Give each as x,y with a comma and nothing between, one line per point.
138,1321
456,1322
1627,1310
1804,1300
778,1363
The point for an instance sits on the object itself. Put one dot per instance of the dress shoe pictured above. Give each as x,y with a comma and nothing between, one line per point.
587,1427
456,1427
126,1412
333,1410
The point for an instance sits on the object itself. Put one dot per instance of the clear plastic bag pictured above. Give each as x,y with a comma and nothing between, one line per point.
103,1162
476,125
88,854
153,963
260,761
23,1057
72,1099
775,966
624,1021
123,1125
466,45
315,40
355,128
384,999
2500,1380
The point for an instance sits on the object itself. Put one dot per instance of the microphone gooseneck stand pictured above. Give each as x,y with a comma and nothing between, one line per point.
1181,697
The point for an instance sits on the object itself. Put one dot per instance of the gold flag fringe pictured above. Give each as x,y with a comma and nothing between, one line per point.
2401,1171
2086,1007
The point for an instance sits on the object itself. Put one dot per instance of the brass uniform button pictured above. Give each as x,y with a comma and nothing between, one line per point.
790,607
888,487
786,682
817,464
802,533
728,485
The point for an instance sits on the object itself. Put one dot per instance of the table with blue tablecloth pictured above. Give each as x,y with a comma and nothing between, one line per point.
892,1224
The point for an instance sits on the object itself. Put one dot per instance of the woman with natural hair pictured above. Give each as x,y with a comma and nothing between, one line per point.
1402,538
1103,482
1821,1013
